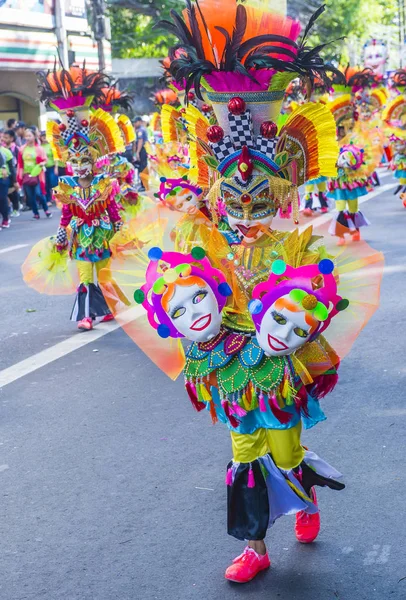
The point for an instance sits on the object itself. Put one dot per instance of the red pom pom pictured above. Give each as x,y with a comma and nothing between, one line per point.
215,133
190,95
70,113
206,108
269,129
62,127
236,106
84,122
356,115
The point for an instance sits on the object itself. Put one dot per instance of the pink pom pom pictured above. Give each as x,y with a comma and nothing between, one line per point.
229,477
251,478
261,402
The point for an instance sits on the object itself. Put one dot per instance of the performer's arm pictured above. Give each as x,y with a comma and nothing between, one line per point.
61,235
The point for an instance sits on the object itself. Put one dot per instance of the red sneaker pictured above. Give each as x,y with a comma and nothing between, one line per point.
356,236
86,324
324,209
341,241
308,212
5,224
246,566
107,318
307,526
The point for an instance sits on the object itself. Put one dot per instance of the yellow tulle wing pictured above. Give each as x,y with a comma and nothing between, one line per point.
48,271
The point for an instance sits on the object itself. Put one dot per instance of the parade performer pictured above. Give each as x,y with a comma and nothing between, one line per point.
394,116
90,214
117,166
255,302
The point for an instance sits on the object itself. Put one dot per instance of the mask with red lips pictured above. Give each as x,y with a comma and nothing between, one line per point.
282,331
194,311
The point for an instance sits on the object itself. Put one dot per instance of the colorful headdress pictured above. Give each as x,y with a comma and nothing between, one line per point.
71,93
114,101
313,288
242,58
164,271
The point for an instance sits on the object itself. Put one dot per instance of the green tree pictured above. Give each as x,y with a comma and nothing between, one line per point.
133,31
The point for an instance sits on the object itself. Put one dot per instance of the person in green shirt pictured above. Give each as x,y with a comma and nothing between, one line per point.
51,167
7,178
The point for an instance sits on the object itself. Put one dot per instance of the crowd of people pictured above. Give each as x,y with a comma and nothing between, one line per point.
29,172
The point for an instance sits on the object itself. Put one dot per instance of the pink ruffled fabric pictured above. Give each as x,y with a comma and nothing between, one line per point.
228,81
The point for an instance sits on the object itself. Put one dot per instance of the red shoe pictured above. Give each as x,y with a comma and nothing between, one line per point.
307,526
356,236
341,241
86,324
324,209
107,318
5,224
36,217
246,566
308,212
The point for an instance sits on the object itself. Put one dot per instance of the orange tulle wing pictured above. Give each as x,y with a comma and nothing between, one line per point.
126,273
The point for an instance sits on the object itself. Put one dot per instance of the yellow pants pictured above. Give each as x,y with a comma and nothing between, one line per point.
352,205
321,187
283,444
86,270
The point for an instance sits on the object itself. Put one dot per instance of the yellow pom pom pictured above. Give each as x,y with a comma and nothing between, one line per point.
170,276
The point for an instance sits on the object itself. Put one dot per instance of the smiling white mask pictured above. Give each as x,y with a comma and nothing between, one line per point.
282,332
194,312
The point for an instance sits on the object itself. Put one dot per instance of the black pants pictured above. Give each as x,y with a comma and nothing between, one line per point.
4,183
32,193
14,199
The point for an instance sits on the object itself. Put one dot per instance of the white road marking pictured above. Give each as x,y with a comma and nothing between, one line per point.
11,248
378,555
43,358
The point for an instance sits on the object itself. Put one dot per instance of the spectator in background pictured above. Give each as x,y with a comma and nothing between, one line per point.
11,124
51,168
20,128
7,179
30,172
140,152
8,138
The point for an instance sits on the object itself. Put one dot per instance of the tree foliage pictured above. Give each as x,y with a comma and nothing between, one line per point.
134,35
133,31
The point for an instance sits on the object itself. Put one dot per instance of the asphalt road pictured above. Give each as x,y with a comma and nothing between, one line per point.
112,487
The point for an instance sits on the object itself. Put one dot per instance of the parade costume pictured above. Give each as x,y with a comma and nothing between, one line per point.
255,302
117,167
355,111
394,116
90,214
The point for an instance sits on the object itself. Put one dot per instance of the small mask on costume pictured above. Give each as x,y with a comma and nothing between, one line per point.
194,311
180,195
250,209
283,329
184,295
294,306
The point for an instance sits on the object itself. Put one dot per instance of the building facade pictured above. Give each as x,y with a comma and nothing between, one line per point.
32,34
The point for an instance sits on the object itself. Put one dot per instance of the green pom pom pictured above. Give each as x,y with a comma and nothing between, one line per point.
297,295
342,304
139,296
198,253
279,267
